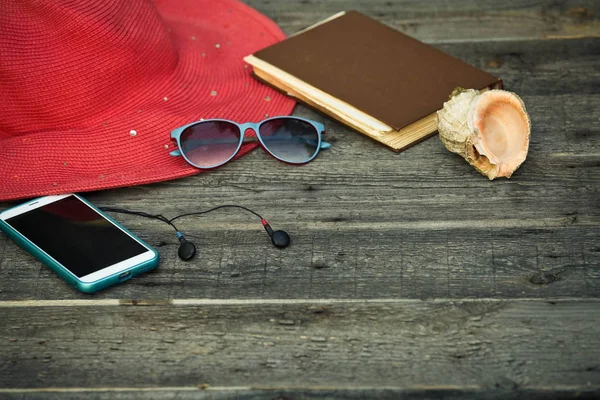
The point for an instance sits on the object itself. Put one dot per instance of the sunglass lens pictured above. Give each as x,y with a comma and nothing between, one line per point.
211,143
291,140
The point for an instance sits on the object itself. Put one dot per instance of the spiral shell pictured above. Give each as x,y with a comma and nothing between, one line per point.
490,130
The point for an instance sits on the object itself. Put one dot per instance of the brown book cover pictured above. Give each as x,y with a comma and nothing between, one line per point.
382,72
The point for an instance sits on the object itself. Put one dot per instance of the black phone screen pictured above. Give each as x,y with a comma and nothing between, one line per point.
76,235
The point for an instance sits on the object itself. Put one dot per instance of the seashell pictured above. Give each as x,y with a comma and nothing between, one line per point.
490,130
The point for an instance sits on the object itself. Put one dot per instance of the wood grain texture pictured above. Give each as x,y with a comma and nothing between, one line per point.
472,345
458,20
360,262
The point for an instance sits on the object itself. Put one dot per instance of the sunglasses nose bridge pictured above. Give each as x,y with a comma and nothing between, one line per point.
249,125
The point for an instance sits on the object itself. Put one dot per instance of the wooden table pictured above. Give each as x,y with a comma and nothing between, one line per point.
409,274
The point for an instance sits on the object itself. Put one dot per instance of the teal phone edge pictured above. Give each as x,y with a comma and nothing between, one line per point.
64,273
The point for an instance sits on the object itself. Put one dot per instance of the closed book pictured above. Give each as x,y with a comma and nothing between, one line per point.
374,79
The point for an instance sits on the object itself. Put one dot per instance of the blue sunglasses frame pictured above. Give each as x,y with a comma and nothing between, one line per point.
320,128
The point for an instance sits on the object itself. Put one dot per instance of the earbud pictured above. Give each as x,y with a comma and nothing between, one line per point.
280,239
187,250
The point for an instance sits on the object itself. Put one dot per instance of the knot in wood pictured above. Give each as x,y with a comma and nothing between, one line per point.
543,278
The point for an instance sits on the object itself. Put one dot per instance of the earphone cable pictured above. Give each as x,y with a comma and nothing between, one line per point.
159,217
215,209
164,219
187,249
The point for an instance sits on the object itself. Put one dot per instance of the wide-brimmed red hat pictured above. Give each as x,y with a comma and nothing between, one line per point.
90,90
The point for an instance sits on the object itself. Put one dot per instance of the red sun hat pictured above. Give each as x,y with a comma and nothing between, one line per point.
90,91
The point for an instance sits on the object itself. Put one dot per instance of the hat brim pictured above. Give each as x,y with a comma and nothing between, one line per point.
129,143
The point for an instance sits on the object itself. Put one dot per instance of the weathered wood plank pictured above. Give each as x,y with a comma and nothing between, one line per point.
439,20
557,67
354,263
411,344
325,393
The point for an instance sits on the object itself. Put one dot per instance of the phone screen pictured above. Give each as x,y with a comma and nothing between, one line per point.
76,235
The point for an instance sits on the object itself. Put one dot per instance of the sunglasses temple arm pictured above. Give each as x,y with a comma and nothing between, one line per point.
324,145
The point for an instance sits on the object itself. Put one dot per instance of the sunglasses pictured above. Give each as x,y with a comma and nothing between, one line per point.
210,143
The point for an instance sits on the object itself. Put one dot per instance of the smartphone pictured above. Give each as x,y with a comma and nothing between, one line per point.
79,242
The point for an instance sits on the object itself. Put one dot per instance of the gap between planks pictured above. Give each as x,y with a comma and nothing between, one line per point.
249,302
280,388
537,223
